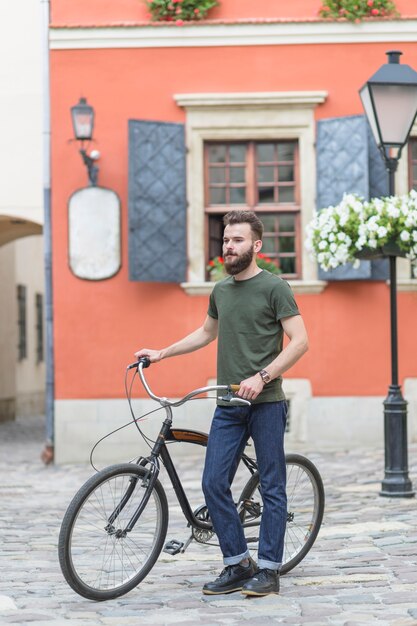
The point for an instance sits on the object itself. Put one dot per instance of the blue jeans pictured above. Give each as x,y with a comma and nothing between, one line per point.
230,430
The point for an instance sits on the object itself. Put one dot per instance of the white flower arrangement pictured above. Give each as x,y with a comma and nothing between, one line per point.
339,234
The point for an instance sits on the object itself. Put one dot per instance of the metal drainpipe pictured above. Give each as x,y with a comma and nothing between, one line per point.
47,454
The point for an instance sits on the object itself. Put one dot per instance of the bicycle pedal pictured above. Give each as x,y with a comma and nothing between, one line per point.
173,547
253,508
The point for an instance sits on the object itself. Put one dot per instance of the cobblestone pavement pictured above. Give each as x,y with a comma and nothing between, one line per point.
361,571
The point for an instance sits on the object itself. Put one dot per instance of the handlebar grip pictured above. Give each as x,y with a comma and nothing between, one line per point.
234,388
144,360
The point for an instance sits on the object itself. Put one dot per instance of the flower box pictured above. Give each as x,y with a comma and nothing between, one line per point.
356,229
387,250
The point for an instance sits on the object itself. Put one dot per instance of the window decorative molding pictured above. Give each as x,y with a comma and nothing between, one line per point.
299,287
403,184
270,116
262,100
412,163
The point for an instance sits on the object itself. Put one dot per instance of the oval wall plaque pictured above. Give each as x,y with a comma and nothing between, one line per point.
94,233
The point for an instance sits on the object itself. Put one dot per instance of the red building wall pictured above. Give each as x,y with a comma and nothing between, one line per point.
98,326
79,12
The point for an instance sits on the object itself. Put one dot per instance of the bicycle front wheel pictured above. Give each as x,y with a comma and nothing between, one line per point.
305,508
99,557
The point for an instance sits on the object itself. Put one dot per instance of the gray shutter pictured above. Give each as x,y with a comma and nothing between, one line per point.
348,161
157,202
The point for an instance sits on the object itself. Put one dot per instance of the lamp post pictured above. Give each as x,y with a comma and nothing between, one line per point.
83,124
389,98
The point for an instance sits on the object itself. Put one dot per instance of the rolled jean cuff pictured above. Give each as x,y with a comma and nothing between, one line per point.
262,564
234,560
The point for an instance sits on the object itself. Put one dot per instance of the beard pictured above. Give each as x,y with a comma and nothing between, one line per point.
239,262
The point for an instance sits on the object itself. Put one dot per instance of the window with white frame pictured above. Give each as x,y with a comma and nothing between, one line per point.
254,151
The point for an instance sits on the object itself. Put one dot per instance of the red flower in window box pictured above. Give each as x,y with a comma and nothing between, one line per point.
216,269
356,10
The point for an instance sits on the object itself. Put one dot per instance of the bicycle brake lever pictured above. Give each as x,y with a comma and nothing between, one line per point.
232,399
240,401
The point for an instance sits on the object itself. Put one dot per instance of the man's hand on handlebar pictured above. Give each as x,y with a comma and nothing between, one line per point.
250,388
153,355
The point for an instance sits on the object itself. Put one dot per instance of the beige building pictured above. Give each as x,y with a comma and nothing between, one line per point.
22,337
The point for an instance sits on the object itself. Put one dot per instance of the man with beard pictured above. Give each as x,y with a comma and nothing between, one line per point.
249,312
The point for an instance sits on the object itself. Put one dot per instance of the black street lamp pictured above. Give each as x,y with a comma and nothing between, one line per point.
389,98
83,124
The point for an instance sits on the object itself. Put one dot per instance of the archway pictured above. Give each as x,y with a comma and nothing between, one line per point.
22,333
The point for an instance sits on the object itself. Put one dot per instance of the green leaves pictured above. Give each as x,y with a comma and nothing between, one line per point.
179,11
357,10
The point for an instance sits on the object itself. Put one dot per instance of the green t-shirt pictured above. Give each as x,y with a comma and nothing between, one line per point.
250,333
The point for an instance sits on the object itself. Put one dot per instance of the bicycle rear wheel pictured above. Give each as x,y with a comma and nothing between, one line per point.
305,508
98,558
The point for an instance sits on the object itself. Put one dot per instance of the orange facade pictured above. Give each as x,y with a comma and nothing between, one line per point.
102,12
99,325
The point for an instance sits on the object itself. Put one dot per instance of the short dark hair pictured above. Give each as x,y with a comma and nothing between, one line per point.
245,217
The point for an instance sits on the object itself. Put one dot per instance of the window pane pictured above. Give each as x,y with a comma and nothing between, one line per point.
413,144
286,151
415,172
286,223
215,235
237,195
287,265
237,153
265,152
217,154
268,246
286,173
286,244
269,222
266,195
217,175
266,174
286,194
237,174
217,195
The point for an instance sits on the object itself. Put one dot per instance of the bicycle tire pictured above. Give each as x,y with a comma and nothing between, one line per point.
98,561
305,509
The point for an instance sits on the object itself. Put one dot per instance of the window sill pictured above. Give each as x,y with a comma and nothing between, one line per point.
406,284
299,287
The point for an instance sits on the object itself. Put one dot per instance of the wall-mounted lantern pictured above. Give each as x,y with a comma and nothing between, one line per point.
83,124
94,246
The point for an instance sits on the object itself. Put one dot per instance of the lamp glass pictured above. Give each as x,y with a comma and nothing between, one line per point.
370,113
83,120
395,110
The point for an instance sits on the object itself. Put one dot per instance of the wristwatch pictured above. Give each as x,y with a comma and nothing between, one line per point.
265,376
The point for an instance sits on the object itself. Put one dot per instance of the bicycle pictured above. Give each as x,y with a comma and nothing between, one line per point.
115,527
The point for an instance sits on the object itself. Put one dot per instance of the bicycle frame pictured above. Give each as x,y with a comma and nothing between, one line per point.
160,450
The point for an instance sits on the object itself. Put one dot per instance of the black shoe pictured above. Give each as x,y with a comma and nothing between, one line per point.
231,579
264,582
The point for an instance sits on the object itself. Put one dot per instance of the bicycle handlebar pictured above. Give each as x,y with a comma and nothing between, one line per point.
145,362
